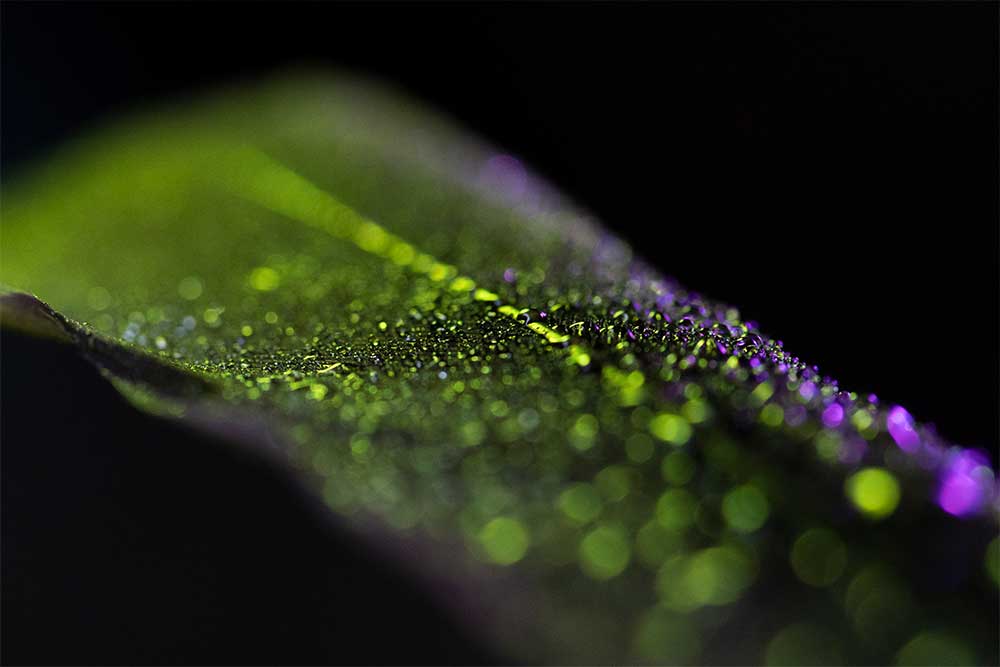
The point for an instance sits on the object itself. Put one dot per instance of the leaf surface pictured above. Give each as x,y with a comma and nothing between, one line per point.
470,370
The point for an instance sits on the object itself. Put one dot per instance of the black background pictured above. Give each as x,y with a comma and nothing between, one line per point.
830,169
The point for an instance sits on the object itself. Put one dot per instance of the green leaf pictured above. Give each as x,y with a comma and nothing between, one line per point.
458,359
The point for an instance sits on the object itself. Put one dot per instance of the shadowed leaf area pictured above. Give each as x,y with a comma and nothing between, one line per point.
129,539
583,460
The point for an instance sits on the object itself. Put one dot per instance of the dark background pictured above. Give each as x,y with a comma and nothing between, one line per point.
830,169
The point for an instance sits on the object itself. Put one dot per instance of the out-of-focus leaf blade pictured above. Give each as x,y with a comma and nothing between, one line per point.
609,466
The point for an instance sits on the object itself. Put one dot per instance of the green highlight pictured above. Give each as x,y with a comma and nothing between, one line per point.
264,279
745,509
861,419
509,311
715,576
584,432
485,295
551,335
761,393
605,552
874,492
613,482
670,428
772,415
370,237
719,575
462,284
696,411
211,315
257,177
675,509
828,445
505,540
579,356
580,502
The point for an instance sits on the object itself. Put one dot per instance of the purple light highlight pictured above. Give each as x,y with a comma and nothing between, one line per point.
966,483
807,391
796,415
505,175
852,451
833,415
902,429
